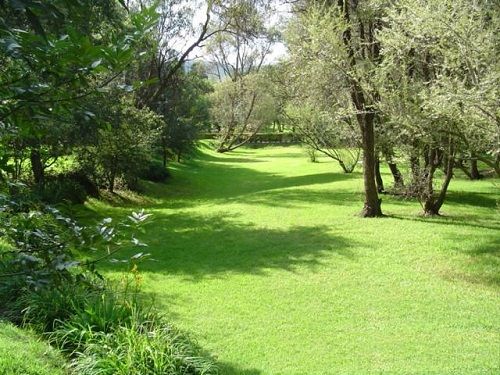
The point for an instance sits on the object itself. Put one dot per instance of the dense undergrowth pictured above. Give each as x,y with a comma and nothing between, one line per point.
102,327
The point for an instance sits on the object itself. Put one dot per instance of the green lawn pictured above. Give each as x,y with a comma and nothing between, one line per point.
21,353
260,255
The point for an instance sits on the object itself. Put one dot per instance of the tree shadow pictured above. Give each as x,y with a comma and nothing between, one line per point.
197,247
483,266
225,181
234,369
225,159
304,198
456,220
471,199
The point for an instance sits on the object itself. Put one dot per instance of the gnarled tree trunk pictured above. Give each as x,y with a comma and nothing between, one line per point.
432,203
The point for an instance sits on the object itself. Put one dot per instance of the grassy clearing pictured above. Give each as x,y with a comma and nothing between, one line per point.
22,353
259,253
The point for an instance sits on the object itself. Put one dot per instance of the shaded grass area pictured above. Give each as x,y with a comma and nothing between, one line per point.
23,353
261,255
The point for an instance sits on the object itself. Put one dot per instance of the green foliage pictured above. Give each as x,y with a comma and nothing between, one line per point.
50,63
43,243
63,190
155,171
93,314
123,145
329,134
239,109
151,347
185,110
44,308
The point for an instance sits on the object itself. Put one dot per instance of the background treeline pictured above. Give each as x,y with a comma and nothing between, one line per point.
92,96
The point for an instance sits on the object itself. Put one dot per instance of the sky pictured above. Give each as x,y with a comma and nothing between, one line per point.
278,51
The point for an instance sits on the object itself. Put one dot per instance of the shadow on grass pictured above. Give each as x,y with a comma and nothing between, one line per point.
304,198
206,246
233,369
471,199
483,264
468,221
226,181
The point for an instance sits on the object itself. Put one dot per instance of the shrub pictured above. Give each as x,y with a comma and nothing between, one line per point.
102,313
155,172
104,330
44,308
143,348
62,190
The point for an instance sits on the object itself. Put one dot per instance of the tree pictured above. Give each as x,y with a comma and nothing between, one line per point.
238,54
50,62
123,145
440,85
325,132
185,111
336,43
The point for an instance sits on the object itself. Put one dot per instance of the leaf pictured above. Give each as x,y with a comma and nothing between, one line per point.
136,242
96,63
35,23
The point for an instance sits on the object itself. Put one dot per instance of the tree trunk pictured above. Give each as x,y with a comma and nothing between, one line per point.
37,167
396,174
378,176
495,164
414,189
365,110
432,204
474,171
165,156
372,202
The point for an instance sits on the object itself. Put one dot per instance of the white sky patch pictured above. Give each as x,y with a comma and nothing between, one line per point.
276,18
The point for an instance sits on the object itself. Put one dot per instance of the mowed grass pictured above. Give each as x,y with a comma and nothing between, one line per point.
22,353
260,254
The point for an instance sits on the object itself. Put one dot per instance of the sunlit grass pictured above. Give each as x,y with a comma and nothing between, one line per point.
262,256
23,353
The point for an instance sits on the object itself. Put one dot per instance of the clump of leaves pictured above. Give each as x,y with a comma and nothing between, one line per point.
43,244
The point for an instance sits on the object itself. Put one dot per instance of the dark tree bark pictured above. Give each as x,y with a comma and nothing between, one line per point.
432,203
37,167
372,202
474,171
365,115
414,188
378,176
165,156
495,164
396,174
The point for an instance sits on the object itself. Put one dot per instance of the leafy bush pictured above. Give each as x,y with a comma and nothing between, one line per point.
44,308
102,313
63,190
103,329
143,348
123,144
155,172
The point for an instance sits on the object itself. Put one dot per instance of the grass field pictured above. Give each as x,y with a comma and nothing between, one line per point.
23,354
260,255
